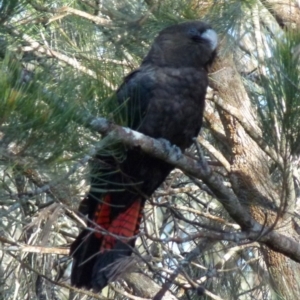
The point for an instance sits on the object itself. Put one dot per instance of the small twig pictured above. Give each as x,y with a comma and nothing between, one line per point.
16,246
215,153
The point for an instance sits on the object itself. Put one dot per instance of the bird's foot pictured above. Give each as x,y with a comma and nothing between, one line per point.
171,150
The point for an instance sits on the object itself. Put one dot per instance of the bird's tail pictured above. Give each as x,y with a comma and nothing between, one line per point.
106,239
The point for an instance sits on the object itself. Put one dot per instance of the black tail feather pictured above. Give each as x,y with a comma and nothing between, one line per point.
84,251
92,269
102,274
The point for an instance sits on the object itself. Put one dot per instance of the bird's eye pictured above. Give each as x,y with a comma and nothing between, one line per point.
194,34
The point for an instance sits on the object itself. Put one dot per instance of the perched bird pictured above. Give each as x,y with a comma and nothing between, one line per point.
163,98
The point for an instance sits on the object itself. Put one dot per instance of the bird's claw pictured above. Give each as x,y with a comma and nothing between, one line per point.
171,150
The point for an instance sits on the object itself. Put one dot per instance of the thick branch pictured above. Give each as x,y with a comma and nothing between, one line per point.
172,155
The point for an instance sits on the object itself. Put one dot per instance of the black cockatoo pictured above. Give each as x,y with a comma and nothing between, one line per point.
163,98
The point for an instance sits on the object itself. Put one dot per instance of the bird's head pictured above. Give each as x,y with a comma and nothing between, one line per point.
189,44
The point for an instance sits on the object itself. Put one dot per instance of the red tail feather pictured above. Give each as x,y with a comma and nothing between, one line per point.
94,251
125,225
102,216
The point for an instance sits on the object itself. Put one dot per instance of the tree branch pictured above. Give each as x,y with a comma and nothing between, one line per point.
200,170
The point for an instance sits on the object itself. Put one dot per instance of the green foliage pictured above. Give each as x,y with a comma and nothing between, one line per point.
280,104
37,125
9,8
228,15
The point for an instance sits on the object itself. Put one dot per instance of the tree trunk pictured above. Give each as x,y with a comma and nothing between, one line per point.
249,174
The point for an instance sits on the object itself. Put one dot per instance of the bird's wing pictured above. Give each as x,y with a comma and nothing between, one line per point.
134,96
